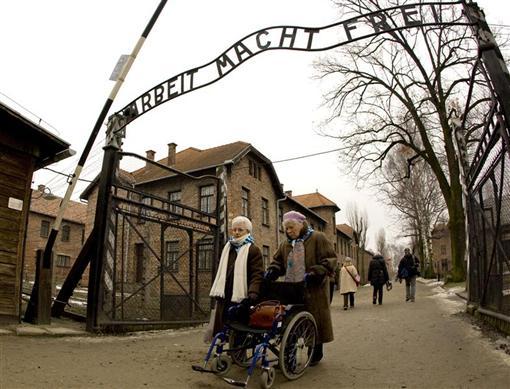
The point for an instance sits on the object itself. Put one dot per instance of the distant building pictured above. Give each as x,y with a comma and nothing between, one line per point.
43,210
441,250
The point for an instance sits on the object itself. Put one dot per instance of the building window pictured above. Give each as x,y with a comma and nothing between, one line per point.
443,250
139,261
265,212
205,255
45,228
255,170
245,202
66,233
265,256
63,260
175,197
206,198
144,211
172,255
280,218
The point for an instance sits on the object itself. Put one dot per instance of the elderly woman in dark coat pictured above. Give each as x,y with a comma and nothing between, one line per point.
378,276
240,271
307,255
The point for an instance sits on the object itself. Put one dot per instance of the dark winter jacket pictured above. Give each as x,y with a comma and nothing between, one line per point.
255,269
408,267
318,251
377,271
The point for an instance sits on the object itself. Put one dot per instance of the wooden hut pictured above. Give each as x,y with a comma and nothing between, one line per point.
24,148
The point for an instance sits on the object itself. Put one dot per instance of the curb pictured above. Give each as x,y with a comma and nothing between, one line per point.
38,330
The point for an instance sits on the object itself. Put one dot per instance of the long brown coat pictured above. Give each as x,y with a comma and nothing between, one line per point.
255,268
318,251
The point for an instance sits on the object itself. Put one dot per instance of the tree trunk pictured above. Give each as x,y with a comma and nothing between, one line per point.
457,229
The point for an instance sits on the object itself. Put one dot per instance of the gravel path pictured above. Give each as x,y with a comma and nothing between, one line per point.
426,344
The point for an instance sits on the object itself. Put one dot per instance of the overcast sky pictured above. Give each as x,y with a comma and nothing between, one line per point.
57,57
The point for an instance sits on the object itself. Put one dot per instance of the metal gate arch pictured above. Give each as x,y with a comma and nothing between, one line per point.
158,255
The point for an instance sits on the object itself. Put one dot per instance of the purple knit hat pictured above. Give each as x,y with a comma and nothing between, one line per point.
295,216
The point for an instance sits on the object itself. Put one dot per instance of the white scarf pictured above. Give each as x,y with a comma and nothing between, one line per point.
240,287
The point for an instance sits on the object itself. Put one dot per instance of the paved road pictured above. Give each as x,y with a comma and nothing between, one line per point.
397,345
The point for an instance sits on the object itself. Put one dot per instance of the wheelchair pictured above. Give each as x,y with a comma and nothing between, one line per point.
288,344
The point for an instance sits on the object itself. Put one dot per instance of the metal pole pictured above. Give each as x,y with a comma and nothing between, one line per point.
76,175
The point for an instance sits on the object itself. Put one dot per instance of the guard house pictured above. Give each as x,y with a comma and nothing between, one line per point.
24,148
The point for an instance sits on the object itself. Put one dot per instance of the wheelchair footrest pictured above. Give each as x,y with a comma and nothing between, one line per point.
201,369
235,383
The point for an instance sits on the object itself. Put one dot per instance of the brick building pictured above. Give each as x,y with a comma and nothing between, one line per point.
43,210
252,189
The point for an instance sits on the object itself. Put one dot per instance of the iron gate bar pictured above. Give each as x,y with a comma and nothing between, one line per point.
489,139
497,196
122,276
159,259
166,212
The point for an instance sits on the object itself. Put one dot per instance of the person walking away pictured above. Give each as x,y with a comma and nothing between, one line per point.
348,284
309,256
240,272
408,270
334,282
378,276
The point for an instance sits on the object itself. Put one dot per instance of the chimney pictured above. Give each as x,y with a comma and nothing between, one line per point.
288,193
171,154
150,154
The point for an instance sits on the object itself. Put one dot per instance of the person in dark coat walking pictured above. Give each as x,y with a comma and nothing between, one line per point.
240,272
378,276
408,270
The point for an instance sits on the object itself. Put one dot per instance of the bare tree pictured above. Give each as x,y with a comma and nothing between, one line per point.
380,242
358,220
398,89
418,200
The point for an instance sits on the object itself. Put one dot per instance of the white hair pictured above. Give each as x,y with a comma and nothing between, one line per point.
242,222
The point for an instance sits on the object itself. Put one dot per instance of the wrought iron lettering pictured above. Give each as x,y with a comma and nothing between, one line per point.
296,38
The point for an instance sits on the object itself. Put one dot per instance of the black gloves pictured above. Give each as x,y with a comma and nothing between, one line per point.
251,300
319,270
316,275
271,275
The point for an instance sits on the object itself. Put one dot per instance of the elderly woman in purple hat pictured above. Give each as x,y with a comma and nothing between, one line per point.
308,256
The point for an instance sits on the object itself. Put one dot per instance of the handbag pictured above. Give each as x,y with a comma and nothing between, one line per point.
356,279
265,313
389,286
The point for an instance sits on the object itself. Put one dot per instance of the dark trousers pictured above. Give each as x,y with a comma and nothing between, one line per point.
349,296
378,293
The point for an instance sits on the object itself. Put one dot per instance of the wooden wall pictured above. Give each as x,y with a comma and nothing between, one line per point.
15,178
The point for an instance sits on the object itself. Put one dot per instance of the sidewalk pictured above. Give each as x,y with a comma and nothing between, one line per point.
58,327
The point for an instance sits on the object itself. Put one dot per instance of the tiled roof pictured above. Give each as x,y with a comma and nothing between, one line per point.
125,177
345,229
75,211
315,200
192,159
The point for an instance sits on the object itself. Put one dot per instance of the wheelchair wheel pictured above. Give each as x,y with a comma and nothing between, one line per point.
244,342
267,378
296,347
221,364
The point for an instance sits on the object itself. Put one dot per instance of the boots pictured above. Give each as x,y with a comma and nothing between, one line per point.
317,354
